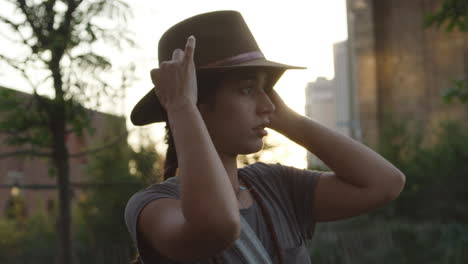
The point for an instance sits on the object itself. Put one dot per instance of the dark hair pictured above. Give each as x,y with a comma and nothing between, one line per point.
137,260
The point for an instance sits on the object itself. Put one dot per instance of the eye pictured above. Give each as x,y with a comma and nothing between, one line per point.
247,90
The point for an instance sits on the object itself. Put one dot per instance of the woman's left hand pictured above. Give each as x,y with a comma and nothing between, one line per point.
282,116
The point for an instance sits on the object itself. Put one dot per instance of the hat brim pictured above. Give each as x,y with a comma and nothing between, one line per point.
260,62
149,110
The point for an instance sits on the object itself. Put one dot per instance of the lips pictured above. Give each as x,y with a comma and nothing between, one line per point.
263,124
260,129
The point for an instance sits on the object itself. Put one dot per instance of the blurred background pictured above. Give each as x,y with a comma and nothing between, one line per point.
390,74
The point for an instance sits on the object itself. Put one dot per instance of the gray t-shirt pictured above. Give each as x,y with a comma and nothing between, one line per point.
287,192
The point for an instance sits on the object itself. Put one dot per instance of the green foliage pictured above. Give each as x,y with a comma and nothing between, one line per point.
35,241
100,234
23,127
453,13
146,165
435,173
103,206
58,57
459,91
59,39
31,242
366,240
117,173
15,208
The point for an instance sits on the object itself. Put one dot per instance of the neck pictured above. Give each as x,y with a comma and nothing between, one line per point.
230,164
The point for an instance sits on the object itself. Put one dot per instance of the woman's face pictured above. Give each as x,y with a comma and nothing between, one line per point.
239,112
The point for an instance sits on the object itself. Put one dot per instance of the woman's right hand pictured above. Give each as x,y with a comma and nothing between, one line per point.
176,80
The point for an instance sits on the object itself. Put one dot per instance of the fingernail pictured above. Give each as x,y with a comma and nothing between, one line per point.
191,39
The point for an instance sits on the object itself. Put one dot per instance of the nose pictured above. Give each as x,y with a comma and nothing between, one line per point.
265,105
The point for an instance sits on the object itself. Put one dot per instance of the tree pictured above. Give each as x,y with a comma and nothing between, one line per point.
454,15
58,40
104,203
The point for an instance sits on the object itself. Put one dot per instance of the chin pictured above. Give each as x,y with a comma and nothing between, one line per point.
252,148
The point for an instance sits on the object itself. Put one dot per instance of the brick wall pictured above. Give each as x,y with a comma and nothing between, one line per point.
400,68
36,170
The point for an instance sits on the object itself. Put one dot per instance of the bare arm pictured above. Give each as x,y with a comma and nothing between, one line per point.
206,219
361,178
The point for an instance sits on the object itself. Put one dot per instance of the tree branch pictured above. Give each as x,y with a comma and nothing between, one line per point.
49,8
13,63
30,152
21,67
30,19
15,28
101,148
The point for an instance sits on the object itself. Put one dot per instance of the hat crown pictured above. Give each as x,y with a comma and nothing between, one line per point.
219,34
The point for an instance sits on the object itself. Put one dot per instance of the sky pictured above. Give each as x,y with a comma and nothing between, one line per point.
294,32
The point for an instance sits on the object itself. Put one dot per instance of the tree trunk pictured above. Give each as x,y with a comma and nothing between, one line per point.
64,223
61,162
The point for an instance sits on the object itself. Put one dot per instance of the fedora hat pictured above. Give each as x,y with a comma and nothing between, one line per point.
224,43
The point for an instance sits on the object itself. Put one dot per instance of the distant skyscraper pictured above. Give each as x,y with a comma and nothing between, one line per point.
320,101
342,88
320,106
329,101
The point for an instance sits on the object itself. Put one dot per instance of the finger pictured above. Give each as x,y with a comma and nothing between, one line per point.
272,93
190,48
154,75
177,55
156,91
275,97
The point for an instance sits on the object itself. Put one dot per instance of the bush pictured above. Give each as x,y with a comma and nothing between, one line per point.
367,241
31,241
436,173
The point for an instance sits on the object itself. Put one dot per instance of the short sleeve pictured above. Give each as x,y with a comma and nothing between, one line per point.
135,205
299,185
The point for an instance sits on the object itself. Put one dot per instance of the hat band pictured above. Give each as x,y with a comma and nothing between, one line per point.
243,57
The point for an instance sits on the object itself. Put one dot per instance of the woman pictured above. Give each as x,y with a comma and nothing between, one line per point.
216,94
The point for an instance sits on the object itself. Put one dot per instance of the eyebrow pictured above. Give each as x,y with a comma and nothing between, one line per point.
247,76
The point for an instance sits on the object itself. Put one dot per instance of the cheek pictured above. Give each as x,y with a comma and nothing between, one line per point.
230,116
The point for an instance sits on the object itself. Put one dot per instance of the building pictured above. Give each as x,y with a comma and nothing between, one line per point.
347,120
320,102
32,175
320,106
330,103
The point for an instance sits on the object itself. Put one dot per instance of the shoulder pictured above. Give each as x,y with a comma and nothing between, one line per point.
261,168
166,189
277,171
260,171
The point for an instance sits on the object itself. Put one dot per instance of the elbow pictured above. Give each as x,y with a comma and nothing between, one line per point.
235,232
228,227
225,233
226,236
230,231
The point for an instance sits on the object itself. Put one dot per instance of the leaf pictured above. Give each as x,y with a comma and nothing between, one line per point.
459,91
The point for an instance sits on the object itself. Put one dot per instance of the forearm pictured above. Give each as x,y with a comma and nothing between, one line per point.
350,160
207,197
